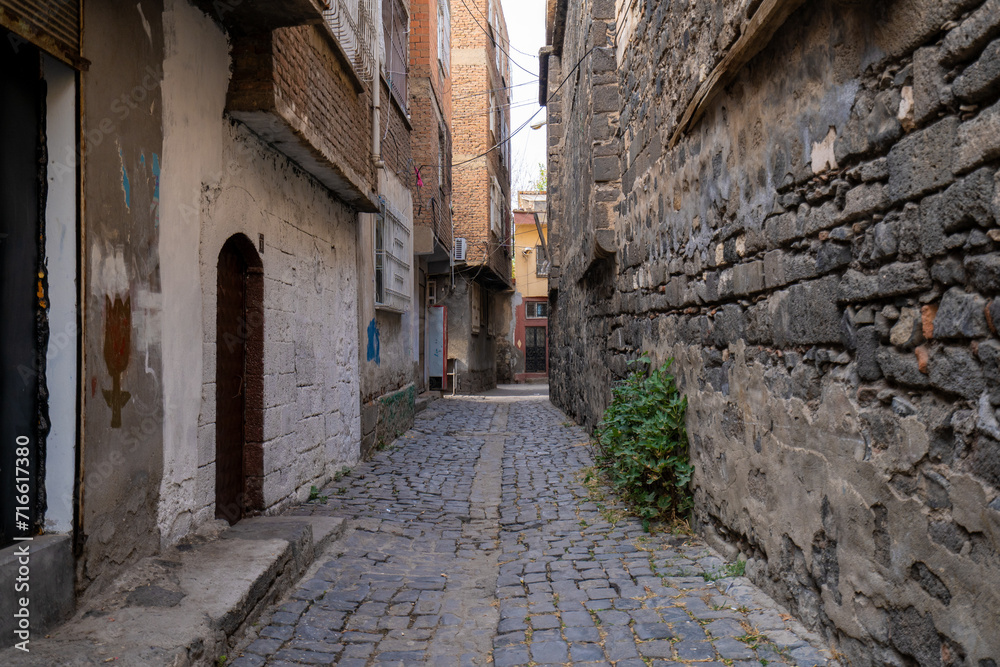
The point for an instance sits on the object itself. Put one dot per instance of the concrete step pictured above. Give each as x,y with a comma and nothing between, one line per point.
424,400
188,604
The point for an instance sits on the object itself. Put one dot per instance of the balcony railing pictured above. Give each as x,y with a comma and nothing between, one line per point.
353,24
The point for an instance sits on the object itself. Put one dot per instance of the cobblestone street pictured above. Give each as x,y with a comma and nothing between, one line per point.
476,539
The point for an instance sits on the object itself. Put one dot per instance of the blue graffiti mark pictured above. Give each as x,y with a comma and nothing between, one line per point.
154,207
142,159
126,188
374,343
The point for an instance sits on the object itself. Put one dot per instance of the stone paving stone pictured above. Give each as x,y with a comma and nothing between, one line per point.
478,518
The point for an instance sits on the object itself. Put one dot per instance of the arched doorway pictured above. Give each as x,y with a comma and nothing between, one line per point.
239,382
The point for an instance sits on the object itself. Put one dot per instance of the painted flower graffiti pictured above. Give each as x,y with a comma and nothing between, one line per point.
117,345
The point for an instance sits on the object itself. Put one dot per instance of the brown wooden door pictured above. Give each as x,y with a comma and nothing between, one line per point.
230,386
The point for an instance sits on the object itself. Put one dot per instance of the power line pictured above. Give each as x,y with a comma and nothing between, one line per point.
495,90
547,100
496,42
511,45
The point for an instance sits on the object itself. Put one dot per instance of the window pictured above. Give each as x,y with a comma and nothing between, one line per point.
392,252
504,141
537,309
497,209
541,263
444,35
493,115
441,159
353,24
395,26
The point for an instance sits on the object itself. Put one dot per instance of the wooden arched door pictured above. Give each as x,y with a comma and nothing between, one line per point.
239,390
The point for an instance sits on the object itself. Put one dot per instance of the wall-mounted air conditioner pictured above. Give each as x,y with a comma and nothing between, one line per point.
461,248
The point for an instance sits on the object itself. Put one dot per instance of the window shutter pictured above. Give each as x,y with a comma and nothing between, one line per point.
51,25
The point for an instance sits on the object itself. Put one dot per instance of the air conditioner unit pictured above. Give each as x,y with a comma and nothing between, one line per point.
461,248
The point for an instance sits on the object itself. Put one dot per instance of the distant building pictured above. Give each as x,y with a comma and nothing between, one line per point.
481,194
430,114
531,287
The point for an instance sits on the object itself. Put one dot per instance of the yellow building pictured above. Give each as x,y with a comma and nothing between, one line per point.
531,285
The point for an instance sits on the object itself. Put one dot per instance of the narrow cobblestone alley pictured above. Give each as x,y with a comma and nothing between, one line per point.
475,539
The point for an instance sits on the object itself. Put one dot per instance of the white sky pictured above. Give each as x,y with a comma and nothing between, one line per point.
526,29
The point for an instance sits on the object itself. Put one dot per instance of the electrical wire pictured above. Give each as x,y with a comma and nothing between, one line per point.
509,44
496,90
525,124
496,42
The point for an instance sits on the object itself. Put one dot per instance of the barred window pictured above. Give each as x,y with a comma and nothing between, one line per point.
444,35
396,28
497,209
393,249
353,24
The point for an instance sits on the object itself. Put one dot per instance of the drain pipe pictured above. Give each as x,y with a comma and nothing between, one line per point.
377,108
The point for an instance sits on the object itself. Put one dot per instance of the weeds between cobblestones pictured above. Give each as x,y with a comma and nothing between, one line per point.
476,541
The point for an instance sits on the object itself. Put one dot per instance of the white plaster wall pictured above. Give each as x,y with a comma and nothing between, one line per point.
399,340
61,261
195,78
219,179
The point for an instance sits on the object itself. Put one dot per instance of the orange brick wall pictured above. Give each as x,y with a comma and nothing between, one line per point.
309,75
430,87
471,82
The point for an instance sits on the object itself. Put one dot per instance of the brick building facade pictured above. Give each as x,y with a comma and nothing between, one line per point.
798,202
481,191
431,112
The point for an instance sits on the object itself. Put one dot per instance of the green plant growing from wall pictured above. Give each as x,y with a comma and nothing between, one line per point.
642,443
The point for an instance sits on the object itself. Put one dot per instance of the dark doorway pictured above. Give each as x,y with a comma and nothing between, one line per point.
534,350
239,389
22,318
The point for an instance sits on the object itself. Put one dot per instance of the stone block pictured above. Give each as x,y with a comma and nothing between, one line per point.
783,228
907,332
981,79
978,140
901,367
748,278
960,315
967,202
891,280
974,33
923,161
606,99
806,314
863,201
730,325
928,84
606,169
866,341
774,271
983,272
955,370
948,272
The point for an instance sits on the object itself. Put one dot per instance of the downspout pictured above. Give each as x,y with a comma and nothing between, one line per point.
377,106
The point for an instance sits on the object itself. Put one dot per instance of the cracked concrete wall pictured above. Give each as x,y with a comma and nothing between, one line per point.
121,462
820,255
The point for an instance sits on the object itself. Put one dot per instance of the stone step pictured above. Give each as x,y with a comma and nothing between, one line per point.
184,606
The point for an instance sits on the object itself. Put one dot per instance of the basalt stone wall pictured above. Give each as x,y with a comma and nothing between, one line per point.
820,253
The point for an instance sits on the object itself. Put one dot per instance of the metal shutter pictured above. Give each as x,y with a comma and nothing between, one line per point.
51,25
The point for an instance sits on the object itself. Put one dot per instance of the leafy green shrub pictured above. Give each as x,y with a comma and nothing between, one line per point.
642,443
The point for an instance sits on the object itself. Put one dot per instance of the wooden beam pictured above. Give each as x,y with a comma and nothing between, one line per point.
770,16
